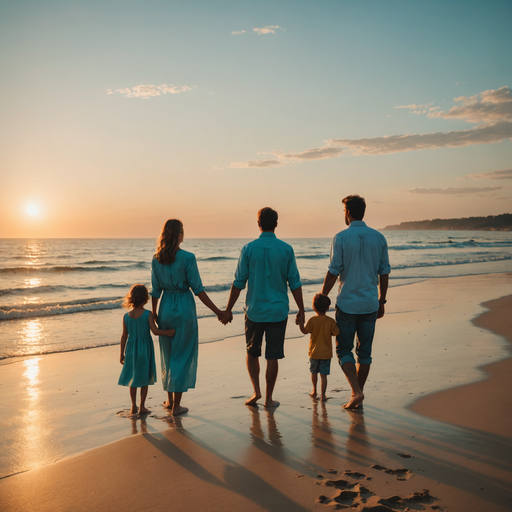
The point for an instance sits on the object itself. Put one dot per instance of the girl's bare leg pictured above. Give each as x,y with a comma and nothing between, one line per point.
133,396
169,403
177,408
143,395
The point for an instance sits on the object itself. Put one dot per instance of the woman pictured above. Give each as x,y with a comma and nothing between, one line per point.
174,272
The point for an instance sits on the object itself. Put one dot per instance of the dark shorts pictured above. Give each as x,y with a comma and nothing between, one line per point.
321,366
274,338
350,325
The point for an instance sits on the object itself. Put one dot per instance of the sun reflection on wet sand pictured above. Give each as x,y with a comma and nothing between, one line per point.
33,431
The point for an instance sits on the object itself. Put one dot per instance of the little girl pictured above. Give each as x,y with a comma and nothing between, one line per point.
138,361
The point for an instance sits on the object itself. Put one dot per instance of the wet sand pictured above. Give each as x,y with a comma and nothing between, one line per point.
456,443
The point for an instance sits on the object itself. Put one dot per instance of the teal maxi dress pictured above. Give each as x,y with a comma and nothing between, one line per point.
174,284
139,369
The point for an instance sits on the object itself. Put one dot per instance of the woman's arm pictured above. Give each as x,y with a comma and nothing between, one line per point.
159,332
124,337
203,297
154,304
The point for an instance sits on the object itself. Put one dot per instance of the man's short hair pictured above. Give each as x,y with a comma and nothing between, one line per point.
267,219
321,303
356,205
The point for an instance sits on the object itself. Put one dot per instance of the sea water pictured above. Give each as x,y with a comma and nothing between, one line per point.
65,294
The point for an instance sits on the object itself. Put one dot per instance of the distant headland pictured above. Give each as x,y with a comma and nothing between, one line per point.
501,222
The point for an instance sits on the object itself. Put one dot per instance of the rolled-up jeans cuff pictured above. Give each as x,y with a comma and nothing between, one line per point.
349,358
367,360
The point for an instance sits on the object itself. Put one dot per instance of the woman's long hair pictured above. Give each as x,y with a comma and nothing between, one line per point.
168,242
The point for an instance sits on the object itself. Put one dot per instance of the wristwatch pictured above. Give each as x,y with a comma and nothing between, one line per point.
382,301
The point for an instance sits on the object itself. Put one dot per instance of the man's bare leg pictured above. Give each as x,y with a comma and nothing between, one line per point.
349,369
314,380
271,377
362,374
253,367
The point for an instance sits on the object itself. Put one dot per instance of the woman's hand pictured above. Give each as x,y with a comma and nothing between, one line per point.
170,332
121,359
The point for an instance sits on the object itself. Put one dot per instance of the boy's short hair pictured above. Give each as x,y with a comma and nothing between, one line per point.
267,217
321,303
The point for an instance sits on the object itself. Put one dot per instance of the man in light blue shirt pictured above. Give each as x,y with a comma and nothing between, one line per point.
359,260
267,265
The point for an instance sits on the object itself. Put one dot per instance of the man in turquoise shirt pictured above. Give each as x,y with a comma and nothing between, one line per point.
267,265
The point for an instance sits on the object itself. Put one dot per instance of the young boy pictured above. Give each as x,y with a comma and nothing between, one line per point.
322,329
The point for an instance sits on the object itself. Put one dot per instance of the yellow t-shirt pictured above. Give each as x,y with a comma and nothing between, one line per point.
322,328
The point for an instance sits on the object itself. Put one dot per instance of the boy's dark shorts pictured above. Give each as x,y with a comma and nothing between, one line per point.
274,338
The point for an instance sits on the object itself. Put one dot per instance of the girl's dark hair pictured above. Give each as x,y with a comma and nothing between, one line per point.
168,242
137,296
321,303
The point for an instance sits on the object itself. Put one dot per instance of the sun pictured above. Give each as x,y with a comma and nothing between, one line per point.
32,209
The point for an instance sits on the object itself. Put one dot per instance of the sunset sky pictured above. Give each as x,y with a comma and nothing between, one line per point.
118,115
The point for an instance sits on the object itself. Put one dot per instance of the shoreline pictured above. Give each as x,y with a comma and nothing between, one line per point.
223,455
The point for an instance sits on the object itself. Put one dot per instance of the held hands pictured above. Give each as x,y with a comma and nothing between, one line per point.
300,318
225,317
170,332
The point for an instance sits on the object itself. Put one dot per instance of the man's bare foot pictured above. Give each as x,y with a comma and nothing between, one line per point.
325,398
254,398
354,402
312,394
134,409
179,410
271,403
167,405
144,410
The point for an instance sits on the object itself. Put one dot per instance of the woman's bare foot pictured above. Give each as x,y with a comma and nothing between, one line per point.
355,400
254,398
179,410
312,394
134,409
271,403
143,410
167,404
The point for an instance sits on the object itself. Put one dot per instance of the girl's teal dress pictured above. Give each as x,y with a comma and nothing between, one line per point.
139,367
177,310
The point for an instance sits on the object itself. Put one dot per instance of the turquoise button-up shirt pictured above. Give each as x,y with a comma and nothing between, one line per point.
268,266
359,254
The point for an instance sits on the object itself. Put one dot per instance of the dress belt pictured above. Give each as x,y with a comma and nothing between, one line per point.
175,292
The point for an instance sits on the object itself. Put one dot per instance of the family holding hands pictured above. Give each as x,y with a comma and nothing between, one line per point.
267,267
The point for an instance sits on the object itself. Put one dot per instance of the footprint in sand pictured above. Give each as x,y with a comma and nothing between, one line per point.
355,474
400,474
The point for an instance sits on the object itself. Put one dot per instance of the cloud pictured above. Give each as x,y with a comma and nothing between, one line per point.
149,91
269,29
505,174
484,134
451,191
492,109
237,32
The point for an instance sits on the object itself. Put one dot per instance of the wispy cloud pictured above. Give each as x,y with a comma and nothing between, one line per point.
452,191
269,29
150,91
492,109
505,174
237,32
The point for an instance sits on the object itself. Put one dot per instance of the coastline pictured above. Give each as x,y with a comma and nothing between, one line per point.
224,456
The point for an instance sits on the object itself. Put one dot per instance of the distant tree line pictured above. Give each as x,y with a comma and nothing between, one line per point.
501,222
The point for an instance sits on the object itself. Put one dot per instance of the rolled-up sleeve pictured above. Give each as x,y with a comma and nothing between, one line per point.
384,267
193,277
293,273
336,263
242,271
156,289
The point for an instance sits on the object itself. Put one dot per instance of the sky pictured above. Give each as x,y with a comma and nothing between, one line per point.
116,116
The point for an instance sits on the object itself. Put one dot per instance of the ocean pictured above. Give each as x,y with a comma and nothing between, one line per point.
60,295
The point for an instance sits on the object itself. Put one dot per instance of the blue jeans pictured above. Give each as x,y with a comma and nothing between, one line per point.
350,325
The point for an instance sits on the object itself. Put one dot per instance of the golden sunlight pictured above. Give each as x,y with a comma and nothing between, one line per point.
32,209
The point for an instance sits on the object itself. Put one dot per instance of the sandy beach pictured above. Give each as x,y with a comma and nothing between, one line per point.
435,432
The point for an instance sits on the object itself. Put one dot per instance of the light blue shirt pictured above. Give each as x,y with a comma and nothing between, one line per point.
359,254
268,265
